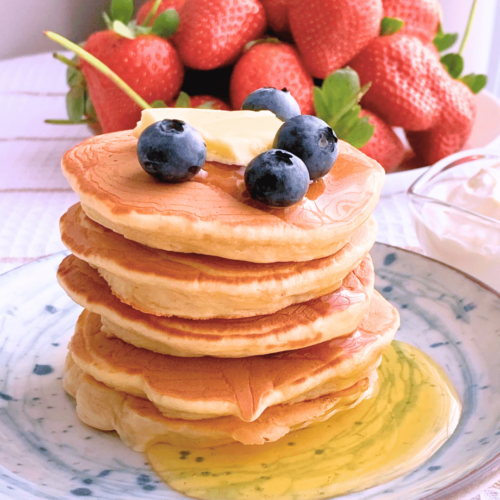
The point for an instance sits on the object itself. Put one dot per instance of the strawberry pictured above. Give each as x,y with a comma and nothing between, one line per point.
277,15
405,77
165,4
148,63
337,103
273,64
213,33
329,33
453,128
208,102
384,146
421,17
199,101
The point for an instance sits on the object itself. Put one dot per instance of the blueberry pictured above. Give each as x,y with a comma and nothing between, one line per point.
280,102
312,140
277,178
171,151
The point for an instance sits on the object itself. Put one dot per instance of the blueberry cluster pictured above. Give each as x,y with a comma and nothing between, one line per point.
304,149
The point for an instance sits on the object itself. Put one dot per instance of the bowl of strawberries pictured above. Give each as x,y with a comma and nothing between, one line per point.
381,73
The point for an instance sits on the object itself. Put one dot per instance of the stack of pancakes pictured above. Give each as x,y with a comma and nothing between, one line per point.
210,318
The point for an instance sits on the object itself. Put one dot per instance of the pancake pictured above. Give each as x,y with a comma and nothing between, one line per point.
212,214
197,286
318,320
207,387
140,424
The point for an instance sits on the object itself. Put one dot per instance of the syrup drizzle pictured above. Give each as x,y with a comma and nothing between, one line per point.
414,412
335,198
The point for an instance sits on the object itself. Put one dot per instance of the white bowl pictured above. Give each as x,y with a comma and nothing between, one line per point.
454,235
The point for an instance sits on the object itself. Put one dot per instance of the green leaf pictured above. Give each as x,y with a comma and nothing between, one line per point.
444,41
341,91
320,105
74,76
183,101
166,23
336,102
123,30
390,25
454,64
348,122
158,104
475,82
360,135
75,103
122,10
89,108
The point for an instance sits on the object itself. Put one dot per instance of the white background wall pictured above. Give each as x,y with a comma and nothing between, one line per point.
23,22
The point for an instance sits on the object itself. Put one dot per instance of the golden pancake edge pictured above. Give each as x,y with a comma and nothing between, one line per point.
140,424
199,286
212,214
208,387
300,325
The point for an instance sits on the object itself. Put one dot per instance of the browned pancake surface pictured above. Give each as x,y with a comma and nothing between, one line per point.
244,382
85,285
93,242
106,168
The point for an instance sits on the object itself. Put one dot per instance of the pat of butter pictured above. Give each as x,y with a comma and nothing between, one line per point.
232,137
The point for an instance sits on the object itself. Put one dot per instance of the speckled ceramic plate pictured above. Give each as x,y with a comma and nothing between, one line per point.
46,453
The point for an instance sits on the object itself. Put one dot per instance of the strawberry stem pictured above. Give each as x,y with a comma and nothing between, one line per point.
152,13
93,61
468,27
68,122
66,61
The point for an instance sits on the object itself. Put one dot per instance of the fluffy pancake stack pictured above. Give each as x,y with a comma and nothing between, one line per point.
209,318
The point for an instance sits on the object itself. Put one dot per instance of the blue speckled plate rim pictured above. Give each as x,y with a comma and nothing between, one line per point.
467,486
484,476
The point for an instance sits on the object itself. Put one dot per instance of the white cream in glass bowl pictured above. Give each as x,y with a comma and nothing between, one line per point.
455,206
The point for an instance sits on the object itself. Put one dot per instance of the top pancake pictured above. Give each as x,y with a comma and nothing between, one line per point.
212,214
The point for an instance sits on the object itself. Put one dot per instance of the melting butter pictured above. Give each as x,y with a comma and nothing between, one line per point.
413,413
232,137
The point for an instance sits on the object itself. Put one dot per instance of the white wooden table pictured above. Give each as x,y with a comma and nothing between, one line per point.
34,194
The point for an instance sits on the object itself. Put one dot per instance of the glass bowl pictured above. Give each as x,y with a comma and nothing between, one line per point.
456,236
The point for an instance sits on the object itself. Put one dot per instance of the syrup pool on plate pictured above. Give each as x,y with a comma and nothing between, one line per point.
414,411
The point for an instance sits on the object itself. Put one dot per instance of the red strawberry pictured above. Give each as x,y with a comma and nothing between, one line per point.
213,33
329,33
208,102
432,48
166,4
384,146
421,17
199,101
405,77
271,64
453,128
277,15
149,64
